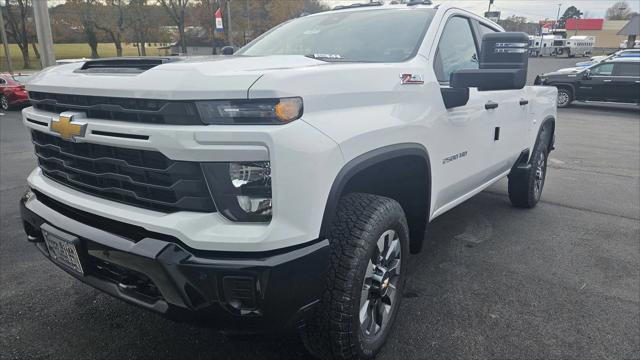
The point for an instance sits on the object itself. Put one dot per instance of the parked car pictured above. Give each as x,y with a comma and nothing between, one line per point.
614,80
598,59
625,44
284,187
12,90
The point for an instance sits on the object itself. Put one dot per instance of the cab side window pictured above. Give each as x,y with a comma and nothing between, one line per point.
484,29
628,70
456,49
602,70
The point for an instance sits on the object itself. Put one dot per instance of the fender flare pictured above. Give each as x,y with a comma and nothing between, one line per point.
363,161
549,120
522,166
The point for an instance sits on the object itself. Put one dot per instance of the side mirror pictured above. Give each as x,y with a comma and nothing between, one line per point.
227,50
503,64
586,74
453,97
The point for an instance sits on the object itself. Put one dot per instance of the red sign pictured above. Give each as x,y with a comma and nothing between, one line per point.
584,24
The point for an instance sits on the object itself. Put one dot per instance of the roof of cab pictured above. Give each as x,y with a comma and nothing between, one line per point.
625,59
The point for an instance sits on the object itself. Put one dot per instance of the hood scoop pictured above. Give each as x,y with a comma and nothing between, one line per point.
124,65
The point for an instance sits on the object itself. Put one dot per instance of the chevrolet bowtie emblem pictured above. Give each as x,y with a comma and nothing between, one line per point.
67,127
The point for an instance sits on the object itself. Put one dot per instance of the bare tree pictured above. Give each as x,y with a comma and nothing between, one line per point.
79,15
111,20
16,12
176,10
140,23
619,11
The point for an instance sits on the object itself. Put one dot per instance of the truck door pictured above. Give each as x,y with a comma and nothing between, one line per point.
460,157
598,85
510,120
626,81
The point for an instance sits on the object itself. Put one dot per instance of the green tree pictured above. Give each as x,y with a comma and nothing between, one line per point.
572,12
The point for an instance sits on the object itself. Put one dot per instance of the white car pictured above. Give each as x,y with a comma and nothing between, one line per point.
286,185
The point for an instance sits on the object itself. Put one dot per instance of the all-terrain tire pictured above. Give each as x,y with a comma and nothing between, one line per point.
526,188
336,330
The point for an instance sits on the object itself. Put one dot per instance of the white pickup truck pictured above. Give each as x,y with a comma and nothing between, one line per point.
286,185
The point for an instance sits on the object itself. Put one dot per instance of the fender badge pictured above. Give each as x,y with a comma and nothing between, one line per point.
411,79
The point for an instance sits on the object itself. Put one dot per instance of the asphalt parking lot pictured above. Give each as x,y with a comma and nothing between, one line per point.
561,281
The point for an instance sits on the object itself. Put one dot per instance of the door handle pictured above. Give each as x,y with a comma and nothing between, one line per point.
607,80
637,82
490,105
524,102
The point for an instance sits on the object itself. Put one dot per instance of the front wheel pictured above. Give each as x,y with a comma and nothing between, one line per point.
4,103
369,246
565,97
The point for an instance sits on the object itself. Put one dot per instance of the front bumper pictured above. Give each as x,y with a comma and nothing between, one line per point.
235,292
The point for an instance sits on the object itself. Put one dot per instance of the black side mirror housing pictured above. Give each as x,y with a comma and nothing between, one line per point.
454,97
586,74
227,50
503,64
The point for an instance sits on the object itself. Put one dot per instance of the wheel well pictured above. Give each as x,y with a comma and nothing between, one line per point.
405,178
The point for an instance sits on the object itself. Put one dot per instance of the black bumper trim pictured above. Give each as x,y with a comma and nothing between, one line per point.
229,293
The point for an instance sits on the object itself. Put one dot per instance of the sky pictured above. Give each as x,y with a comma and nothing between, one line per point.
533,10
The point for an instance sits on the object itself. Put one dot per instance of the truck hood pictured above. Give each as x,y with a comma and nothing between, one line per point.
214,77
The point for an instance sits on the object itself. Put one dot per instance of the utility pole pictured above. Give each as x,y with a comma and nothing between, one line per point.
6,44
557,17
229,22
43,30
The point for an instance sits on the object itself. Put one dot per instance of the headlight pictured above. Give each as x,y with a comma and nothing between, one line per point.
241,191
250,112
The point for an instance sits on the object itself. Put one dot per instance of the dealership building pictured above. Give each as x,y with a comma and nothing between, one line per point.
606,31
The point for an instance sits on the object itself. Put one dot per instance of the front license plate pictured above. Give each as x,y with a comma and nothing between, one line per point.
63,248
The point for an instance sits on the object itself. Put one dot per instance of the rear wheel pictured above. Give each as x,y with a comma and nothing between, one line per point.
4,103
525,190
369,243
565,97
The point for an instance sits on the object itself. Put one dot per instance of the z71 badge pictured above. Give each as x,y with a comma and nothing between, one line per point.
411,79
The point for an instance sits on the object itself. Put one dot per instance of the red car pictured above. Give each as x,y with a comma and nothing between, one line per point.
12,92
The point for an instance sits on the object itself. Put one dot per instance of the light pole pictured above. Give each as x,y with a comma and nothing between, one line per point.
558,17
6,44
43,30
229,22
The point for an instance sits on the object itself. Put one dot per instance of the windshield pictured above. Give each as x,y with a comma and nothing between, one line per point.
367,35
22,79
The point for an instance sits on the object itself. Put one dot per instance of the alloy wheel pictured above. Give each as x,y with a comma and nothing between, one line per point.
563,98
540,174
379,288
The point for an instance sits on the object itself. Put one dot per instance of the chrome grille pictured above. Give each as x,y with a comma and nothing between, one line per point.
135,177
